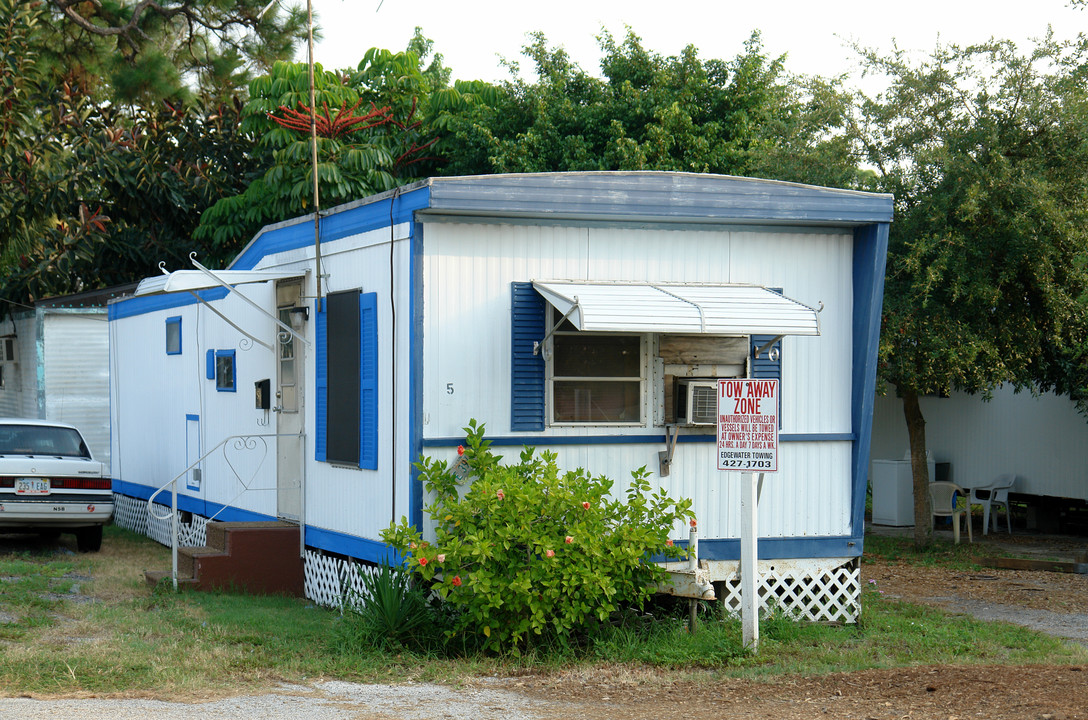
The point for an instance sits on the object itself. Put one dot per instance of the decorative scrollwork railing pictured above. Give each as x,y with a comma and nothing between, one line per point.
240,453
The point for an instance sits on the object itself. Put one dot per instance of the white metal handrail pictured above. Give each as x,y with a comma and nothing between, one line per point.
242,443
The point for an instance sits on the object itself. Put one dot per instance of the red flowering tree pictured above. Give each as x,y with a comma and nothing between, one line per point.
360,153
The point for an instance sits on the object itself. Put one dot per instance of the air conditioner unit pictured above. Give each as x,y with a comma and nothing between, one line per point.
697,402
9,350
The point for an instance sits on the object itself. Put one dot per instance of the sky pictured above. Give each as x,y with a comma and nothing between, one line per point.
473,34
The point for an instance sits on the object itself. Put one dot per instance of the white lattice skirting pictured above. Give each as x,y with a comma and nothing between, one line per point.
829,595
333,581
132,514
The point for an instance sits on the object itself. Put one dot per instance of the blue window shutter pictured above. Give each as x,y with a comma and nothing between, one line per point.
763,368
321,373
527,325
368,381
209,365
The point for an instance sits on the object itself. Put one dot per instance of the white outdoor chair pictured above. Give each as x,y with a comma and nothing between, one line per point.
943,498
996,493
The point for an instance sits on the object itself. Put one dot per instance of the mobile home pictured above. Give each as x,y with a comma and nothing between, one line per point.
580,312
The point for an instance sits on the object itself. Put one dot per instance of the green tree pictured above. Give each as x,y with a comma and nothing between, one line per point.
97,191
745,116
138,51
986,151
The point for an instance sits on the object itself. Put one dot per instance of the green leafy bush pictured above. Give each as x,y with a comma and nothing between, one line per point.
527,551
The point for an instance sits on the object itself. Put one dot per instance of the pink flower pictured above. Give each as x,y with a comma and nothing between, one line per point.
692,522
423,561
570,539
500,495
456,582
549,553
668,543
441,557
585,505
460,450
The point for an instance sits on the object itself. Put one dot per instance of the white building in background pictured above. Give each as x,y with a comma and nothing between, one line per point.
54,364
1041,439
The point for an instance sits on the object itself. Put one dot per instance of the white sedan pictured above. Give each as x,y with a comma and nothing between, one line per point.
49,482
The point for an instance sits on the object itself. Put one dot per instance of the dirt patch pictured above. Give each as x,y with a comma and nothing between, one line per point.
1052,602
947,693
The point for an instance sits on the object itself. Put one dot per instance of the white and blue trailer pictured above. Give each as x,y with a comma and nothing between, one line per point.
585,313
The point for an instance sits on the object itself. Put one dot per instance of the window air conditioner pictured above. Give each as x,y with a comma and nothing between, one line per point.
697,402
9,350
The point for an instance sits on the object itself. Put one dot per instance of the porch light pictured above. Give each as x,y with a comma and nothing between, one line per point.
299,316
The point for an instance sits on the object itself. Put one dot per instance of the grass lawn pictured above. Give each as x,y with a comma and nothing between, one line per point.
87,624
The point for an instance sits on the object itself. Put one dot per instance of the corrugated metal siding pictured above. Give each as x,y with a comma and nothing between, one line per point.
1042,439
467,274
76,375
808,498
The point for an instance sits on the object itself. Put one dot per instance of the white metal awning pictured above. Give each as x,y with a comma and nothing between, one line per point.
202,279
193,280
679,308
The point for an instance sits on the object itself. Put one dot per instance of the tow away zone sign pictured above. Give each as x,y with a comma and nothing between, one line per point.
748,425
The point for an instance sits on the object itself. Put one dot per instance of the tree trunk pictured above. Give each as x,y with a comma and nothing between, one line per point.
919,467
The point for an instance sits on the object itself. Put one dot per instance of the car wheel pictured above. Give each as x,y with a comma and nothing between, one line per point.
89,539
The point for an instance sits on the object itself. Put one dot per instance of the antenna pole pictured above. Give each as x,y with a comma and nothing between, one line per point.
313,146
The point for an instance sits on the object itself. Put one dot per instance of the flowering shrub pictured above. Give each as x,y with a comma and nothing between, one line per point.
527,550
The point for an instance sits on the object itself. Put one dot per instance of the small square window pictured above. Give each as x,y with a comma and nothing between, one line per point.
225,379
173,335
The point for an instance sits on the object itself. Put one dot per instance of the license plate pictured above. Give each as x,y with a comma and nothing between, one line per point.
31,486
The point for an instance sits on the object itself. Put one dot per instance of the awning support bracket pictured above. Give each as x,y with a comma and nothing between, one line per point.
230,322
664,457
283,326
767,346
539,345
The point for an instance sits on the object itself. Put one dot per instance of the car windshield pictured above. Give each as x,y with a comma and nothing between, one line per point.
41,440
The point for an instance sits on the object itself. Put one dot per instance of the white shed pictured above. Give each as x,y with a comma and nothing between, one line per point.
54,364
577,312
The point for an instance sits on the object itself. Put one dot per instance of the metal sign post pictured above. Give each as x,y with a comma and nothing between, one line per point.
748,442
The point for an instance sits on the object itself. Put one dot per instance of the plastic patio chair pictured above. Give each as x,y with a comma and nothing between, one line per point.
996,493
943,498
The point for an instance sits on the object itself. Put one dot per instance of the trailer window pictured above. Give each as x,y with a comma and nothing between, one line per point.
596,378
173,335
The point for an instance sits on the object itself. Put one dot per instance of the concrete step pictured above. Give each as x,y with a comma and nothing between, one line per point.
154,577
256,557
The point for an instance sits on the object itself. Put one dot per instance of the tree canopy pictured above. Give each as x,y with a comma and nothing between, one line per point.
744,116
143,51
103,175
986,151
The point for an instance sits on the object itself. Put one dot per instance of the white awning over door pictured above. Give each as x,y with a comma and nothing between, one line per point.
193,280
678,308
